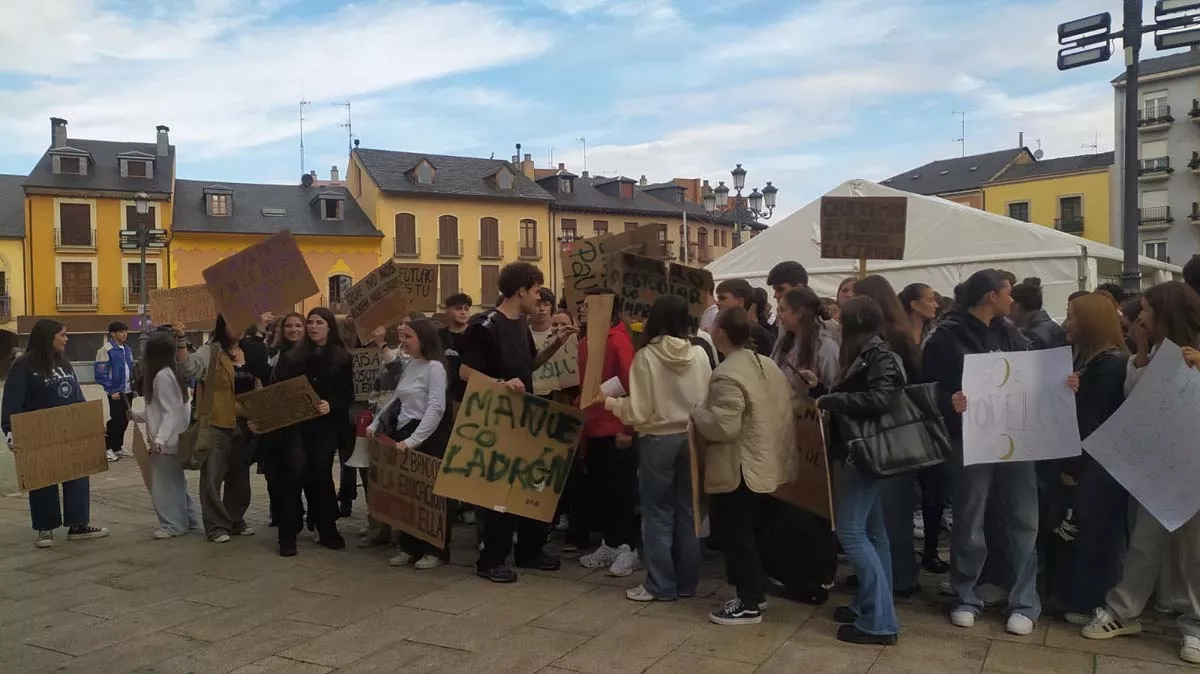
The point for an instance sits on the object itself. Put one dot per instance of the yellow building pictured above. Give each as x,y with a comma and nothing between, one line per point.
78,199
1070,194
12,251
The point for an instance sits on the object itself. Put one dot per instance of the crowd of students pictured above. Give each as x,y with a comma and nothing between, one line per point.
1061,536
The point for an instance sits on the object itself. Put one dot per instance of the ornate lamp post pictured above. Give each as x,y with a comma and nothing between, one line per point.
141,239
746,210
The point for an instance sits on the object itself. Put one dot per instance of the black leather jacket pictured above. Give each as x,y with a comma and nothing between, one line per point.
866,389
1043,333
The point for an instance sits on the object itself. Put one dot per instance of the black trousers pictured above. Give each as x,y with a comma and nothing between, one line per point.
305,464
613,482
933,502
498,529
118,422
734,517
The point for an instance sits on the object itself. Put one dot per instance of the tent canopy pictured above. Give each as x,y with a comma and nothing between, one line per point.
945,242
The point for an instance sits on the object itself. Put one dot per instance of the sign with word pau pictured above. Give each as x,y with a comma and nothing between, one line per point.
390,291
277,406
366,365
188,304
509,452
269,276
400,491
561,371
638,281
811,489
58,444
584,263
1149,443
863,228
1019,407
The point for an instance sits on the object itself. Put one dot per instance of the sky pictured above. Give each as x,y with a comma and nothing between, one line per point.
803,93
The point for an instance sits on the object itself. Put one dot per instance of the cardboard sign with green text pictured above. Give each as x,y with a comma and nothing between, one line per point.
584,262
271,276
811,489
389,292
58,444
400,491
561,371
277,406
509,452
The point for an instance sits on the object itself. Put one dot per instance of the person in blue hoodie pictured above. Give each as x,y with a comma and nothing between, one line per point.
41,379
114,370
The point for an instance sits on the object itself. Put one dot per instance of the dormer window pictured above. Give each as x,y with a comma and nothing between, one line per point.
71,165
566,185
69,161
504,179
136,164
626,190
218,201
331,205
424,172
137,169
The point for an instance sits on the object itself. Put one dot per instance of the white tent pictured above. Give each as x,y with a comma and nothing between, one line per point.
945,243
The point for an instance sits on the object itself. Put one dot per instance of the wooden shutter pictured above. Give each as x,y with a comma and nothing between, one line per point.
75,222
568,230
630,226
600,227
489,238
406,234
489,289
448,236
76,283
448,281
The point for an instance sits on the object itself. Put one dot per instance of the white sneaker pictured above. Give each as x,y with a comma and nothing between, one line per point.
962,618
626,563
45,539
162,534
599,558
1019,625
402,559
948,521
246,531
1077,619
1190,652
428,562
223,538
1105,625
125,454
112,456
641,594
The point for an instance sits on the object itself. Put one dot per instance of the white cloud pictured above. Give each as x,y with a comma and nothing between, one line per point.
573,7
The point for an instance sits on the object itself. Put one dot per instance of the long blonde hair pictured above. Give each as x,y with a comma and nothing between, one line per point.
1096,324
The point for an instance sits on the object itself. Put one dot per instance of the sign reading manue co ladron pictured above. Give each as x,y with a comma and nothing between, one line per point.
269,276
400,491
509,452
366,366
390,291
277,406
58,444
863,228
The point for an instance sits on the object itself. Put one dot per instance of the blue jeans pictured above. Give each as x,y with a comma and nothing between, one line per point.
1014,486
858,514
76,504
670,549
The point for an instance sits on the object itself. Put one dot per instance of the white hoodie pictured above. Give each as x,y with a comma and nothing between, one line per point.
669,376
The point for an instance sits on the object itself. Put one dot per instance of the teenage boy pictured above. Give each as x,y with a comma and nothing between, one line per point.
499,345
736,292
785,276
114,372
452,333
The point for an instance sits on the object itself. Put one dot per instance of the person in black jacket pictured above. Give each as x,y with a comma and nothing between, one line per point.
307,449
1031,319
872,376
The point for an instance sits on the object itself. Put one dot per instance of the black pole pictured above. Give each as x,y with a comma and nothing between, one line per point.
1131,276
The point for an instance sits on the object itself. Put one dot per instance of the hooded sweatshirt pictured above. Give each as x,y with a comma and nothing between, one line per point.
669,376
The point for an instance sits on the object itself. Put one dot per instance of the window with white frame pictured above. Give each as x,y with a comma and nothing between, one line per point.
1156,250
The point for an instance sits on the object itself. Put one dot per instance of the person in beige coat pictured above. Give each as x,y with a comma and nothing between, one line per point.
746,423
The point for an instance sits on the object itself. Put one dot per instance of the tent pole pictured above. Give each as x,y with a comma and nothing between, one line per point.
862,267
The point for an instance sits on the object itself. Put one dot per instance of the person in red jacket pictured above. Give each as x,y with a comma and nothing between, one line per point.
612,462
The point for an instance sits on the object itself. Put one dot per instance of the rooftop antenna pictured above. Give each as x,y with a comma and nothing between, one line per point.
583,140
1094,146
1038,153
962,138
303,103
348,126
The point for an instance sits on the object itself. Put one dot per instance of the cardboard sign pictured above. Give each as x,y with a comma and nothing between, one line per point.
509,452
141,454
638,281
367,363
59,444
269,276
863,228
277,406
400,491
584,261
599,319
696,461
561,371
1149,443
1019,407
812,488
389,292
189,304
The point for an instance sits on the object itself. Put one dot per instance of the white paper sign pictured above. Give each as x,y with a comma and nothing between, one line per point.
612,388
1150,443
1019,407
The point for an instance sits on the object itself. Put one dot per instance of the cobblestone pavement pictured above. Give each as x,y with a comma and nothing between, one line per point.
129,603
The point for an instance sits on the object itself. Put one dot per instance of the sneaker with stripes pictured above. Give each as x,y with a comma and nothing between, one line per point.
1106,625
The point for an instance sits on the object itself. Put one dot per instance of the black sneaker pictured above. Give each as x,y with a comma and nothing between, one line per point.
346,509
734,612
935,565
287,549
851,635
543,563
844,615
498,574
84,532
333,541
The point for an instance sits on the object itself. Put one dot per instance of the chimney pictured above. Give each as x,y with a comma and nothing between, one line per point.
333,174
585,175
516,159
562,166
162,140
1020,139
313,173
58,132
642,181
527,166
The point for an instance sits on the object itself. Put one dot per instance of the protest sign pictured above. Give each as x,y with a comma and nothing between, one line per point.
599,319
367,363
389,292
811,489
58,444
141,454
189,304
584,266
696,465
638,281
561,371
280,405
863,228
269,276
509,452
1149,443
400,491
1019,407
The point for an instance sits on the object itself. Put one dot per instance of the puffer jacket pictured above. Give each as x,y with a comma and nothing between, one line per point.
866,390
1043,333
748,424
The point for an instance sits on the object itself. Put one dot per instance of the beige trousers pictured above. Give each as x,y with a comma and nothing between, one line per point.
1150,548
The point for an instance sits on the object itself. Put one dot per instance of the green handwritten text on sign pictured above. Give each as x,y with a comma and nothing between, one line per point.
509,452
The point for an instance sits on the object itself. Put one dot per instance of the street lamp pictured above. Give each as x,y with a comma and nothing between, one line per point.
140,239
754,207
1086,41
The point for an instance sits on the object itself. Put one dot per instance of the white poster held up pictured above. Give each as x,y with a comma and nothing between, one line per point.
1019,407
1149,443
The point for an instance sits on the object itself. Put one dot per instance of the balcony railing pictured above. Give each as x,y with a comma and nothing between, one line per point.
76,298
491,249
410,248
5,308
336,306
530,250
74,237
1154,116
450,247
1155,167
1155,215
132,297
1070,225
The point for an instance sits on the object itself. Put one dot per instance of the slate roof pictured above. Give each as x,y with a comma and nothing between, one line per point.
1058,166
302,217
587,198
1162,64
960,174
104,172
455,176
12,207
